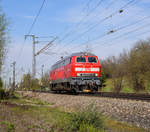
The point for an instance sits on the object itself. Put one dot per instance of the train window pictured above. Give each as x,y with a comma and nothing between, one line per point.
81,59
92,60
70,60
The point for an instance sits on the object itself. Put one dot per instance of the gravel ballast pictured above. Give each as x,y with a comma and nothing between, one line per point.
131,111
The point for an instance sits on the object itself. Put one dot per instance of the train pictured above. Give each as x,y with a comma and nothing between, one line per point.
79,72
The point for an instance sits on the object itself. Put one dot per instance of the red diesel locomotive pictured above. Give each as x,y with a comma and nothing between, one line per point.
77,72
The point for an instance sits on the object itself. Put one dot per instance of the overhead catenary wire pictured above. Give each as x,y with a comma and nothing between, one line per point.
123,27
81,19
121,10
87,4
132,31
67,35
36,17
111,31
30,29
124,34
115,30
70,31
79,23
120,28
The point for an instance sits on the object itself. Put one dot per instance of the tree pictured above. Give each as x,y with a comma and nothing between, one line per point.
139,65
45,80
114,69
3,37
26,81
103,79
134,65
3,41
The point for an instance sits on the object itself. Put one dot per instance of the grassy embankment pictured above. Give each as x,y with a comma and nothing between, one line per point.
24,114
127,88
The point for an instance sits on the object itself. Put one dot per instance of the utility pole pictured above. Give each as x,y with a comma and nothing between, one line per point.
33,54
42,70
9,82
14,76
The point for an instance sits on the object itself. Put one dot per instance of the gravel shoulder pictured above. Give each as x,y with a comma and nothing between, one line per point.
131,111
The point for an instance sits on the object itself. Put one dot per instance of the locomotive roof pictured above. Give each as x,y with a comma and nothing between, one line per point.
75,54
82,53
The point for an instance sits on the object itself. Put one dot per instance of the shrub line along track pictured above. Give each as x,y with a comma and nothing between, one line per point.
131,96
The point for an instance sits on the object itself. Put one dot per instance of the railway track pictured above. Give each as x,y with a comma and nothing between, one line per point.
131,96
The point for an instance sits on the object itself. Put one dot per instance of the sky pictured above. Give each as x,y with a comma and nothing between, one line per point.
79,25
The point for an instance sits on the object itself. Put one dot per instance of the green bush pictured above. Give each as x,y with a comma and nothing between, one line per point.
10,126
2,93
86,119
1,83
103,79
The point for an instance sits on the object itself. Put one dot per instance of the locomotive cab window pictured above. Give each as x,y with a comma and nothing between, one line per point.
92,60
81,59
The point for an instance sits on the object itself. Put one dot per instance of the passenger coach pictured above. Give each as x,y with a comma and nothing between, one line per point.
78,72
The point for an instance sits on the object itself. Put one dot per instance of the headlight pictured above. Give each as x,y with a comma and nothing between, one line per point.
96,74
78,74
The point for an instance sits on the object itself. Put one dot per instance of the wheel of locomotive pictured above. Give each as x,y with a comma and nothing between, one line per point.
96,88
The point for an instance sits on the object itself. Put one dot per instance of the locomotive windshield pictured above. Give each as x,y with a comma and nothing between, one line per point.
92,60
81,59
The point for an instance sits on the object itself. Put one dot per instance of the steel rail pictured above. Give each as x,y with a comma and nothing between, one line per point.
129,96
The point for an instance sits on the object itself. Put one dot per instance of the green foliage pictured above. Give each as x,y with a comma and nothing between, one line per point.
45,80
103,78
85,119
2,93
35,84
139,65
10,126
133,65
1,83
28,83
3,37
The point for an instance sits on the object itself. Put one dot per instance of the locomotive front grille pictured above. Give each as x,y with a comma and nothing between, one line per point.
87,74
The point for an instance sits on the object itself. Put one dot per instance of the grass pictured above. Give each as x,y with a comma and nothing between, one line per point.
116,126
9,126
19,99
108,87
148,86
22,118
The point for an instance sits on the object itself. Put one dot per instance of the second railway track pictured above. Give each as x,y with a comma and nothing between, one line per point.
131,96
